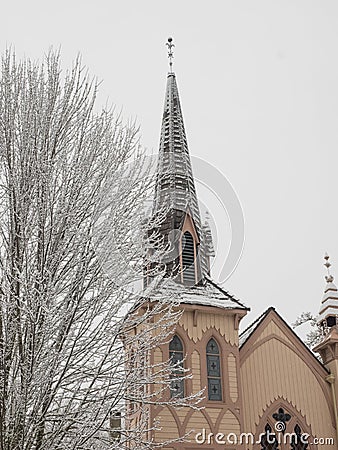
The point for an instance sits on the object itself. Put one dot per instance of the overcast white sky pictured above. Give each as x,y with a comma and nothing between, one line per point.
258,81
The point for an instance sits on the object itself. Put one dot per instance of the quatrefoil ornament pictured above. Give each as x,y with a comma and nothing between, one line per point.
282,416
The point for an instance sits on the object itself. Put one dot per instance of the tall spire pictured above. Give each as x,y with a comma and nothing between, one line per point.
175,183
175,187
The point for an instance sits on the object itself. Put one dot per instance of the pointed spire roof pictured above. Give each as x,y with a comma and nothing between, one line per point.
176,201
175,183
189,243
329,306
175,187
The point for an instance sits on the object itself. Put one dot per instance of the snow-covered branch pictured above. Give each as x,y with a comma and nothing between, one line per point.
73,186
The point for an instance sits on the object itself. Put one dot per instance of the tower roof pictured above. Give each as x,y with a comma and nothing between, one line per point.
188,243
175,185
329,305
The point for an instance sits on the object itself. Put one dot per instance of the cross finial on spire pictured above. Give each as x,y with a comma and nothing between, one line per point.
170,46
327,264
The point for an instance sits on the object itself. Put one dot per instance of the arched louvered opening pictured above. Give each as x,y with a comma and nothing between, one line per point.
176,356
214,371
188,259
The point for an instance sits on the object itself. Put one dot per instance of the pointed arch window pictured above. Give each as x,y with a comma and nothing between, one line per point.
269,439
188,259
299,441
214,371
176,356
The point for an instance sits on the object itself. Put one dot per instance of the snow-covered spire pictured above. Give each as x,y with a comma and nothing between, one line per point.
175,189
175,183
329,308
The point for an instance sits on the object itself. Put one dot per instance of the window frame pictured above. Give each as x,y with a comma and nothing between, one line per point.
215,357
192,267
177,372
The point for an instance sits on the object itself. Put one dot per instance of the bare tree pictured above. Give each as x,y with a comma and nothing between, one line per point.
65,263
315,335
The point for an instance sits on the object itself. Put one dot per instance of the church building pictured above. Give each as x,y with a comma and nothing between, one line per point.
262,381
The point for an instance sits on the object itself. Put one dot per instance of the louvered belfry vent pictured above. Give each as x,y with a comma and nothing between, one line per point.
188,259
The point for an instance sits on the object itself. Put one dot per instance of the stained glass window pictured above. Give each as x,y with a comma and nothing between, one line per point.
214,371
176,359
269,439
299,440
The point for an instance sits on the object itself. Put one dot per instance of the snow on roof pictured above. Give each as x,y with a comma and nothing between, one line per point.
244,335
209,294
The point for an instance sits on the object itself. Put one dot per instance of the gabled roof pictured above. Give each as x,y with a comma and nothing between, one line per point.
244,335
249,335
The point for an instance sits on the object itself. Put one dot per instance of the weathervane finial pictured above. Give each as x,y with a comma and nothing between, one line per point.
327,264
170,46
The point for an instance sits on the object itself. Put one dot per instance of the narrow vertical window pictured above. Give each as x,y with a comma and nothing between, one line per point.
176,359
188,258
214,371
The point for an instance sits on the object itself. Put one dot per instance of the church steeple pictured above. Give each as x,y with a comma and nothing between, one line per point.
175,190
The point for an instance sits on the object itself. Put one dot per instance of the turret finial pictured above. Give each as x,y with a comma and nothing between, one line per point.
170,46
329,278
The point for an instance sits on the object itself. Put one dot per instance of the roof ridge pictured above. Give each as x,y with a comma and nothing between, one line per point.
257,320
233,298
260,319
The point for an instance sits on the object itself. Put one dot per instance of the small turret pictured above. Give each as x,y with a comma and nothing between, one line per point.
328,322
328,347
328,313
